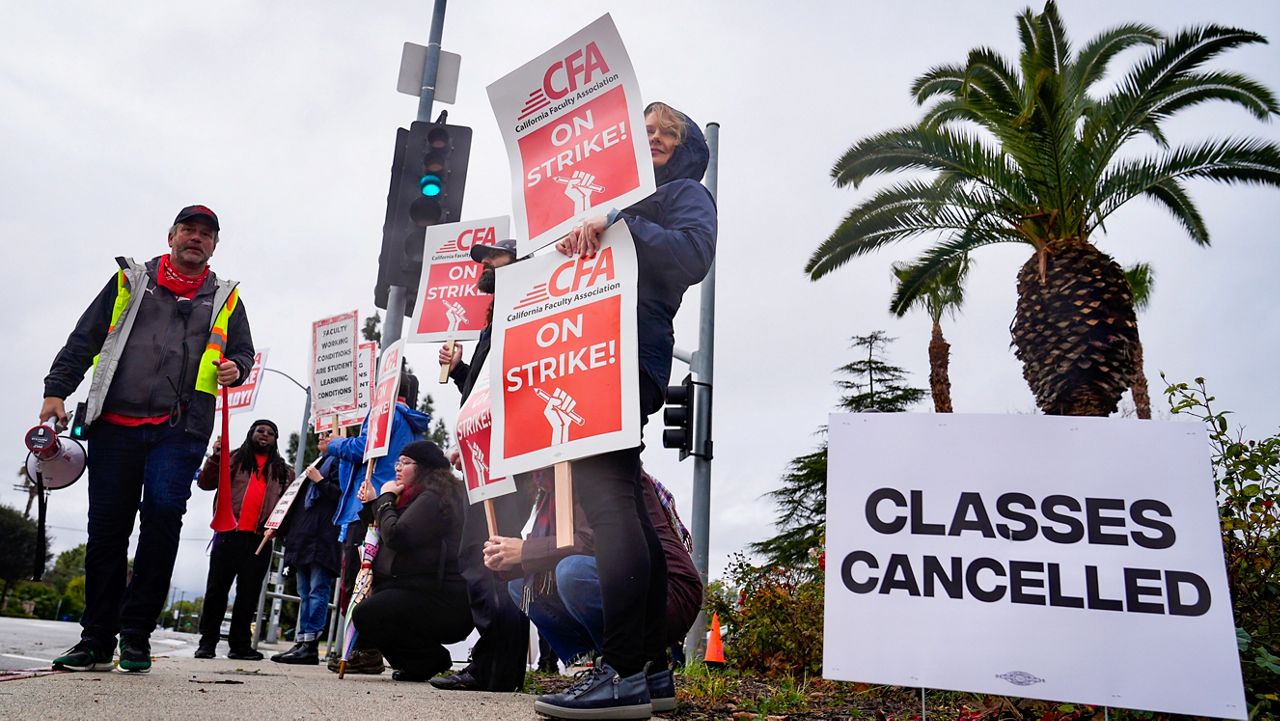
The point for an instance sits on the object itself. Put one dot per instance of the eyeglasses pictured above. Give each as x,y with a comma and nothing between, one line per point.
402,462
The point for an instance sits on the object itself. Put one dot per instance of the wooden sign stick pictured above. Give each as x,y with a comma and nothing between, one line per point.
564,505
444,367
490,518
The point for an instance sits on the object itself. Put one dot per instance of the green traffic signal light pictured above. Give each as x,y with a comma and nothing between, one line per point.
431,185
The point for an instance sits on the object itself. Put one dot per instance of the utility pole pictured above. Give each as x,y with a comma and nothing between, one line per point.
702,367
393,327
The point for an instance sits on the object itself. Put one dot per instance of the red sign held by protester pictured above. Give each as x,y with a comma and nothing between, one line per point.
473,433
573,124
449,306
565,333
244,396
385,391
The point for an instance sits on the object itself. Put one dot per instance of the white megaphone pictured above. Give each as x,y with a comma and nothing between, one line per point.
54,461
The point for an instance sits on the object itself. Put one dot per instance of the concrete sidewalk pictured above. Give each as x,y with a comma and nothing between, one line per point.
189,688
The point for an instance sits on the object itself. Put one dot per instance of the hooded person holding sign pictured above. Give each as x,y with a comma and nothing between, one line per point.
259,475
675,239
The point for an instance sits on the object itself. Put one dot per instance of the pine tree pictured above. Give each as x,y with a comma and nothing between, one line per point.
874,386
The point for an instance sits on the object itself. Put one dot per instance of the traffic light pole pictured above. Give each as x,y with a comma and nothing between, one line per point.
702,367
392,327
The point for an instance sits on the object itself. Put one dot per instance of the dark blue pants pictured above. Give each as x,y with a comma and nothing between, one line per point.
147,469
571,620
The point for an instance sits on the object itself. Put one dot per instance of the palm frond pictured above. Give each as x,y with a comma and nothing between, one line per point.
1142,283
1091,64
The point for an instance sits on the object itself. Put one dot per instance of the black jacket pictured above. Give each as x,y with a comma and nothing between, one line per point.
310,538
419,547
158,365
464,375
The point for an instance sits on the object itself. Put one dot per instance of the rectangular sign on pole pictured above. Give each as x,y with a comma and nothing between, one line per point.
366,360
285,503
450,307
474,433
573,124
333,363
1066,559
381,413
245,396
566,368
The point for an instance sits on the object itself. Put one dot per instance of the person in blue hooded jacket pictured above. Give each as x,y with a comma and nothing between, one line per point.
407,425
674,230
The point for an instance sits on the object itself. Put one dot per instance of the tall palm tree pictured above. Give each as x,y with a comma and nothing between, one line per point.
1032,153
1142,283
942,295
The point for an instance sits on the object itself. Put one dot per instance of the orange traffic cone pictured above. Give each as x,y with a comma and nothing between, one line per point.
715,647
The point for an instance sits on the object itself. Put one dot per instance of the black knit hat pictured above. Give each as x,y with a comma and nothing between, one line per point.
425,454
262,422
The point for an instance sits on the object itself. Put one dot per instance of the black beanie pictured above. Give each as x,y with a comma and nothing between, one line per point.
262,422
426,454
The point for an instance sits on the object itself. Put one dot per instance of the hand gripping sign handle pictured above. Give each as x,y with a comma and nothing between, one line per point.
444,367
224,519
564,505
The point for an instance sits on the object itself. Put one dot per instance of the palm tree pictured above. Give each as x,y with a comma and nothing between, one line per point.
1142,282
943,294
1044,166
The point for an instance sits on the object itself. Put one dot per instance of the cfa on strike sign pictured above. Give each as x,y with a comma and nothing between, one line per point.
383,409
245,396
474,432
566,373
573,125
1066,559
450,307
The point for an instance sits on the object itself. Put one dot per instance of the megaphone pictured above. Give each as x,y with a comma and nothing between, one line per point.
54,461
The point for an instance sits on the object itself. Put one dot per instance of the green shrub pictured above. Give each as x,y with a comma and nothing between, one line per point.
771,618
1246,474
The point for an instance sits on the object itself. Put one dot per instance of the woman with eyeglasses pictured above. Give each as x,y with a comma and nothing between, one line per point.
419,600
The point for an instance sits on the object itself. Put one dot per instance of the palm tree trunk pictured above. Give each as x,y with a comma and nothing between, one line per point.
1141,394
939,370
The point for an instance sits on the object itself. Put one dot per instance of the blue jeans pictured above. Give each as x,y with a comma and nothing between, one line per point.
147,469
314,587
572,620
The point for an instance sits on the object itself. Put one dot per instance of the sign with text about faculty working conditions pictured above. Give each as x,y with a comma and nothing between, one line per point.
334,376
573,125
450,306
1066,559
564,363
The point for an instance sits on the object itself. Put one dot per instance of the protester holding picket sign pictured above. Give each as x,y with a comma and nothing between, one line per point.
498,659
675,236
313,555
419,601
259,475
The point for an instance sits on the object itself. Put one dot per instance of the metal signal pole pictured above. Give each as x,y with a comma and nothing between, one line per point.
393,326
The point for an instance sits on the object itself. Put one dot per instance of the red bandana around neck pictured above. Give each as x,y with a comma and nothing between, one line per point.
183,286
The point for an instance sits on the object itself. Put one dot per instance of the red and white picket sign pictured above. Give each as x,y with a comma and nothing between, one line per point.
566,368
244,396
334,380
366,361
473,433
573,124
449,305
378,432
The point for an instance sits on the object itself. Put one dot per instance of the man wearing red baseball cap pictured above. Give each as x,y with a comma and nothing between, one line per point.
161,338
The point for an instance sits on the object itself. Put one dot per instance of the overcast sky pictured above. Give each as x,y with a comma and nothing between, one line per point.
281,116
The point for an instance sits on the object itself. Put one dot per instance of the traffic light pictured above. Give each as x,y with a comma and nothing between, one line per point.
428,177
687,416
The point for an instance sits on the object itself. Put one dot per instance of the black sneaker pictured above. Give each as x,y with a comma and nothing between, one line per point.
135,654
84,656
206,649
662,690
600,694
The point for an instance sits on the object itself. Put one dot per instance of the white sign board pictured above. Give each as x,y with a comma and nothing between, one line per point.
1066,559
573,124
334,378
285,503
565,362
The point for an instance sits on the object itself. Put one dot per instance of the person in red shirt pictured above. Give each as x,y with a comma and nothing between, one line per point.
259,475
